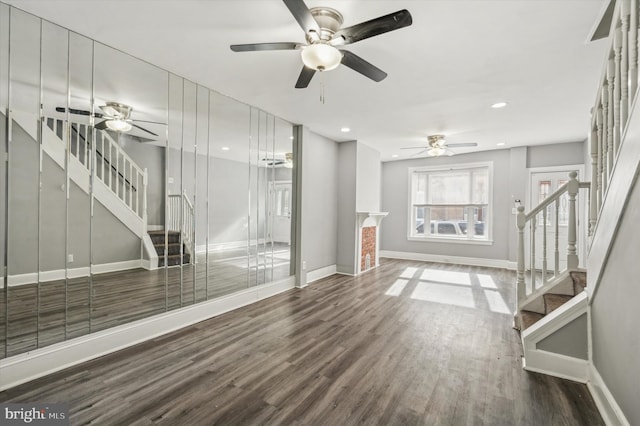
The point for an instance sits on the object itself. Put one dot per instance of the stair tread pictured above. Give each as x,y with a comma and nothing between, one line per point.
528,318
553,301
163,232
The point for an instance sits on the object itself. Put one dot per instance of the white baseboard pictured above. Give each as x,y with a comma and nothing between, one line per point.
318,274
458,260
40,362
61,274
203,248
607,406
557,365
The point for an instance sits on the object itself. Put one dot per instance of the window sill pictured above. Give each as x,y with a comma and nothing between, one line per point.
450,240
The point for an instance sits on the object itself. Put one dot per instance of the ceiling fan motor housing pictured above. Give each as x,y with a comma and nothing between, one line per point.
329,20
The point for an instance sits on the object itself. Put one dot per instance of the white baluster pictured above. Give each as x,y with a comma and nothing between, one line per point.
593,197
633,49
599,148
617,91
556,253
572,189
605,137
520,287
624,63
533,252
130,186
144,199
611,69
544,246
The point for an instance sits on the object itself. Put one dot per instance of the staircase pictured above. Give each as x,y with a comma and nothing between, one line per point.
177,250
549,302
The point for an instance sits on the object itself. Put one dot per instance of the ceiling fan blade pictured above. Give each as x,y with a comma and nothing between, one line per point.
418,153
460,145
301,12
150,122
143,129
256,47
358,64
305,77
374,27
414,147
102,125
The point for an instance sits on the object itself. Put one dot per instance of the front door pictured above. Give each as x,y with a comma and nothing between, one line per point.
281,202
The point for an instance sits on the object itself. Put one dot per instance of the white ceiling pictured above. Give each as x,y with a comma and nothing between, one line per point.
458,58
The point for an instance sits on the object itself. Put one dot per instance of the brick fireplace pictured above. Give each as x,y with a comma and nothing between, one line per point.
368,240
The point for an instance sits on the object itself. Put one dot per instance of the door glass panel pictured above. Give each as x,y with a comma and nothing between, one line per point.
4,106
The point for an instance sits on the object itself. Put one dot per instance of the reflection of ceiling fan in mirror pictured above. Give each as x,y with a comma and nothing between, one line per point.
117,117
437,146
325,38
279,161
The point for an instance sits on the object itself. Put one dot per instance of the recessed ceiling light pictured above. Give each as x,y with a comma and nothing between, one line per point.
499,105
225,148
394,156
291,137
345,130
500,144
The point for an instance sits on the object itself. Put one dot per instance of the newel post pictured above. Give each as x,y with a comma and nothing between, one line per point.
572,188
520,288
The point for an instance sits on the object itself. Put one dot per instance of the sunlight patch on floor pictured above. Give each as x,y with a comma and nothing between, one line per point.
397,287
408,272
442,293
496,302
451,277
486,281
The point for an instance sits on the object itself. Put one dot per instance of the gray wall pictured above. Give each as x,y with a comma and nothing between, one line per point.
615,315
347,154
319,200
151,157
510,182
368,175
570,340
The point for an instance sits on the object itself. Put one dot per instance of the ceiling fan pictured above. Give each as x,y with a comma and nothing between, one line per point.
324,37
437,146
117,117
278,161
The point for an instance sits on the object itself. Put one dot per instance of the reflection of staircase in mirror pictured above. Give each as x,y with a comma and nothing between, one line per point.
174,246
119,183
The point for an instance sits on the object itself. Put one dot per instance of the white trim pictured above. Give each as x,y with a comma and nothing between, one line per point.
116,266
22,279
609,409
40,362
448,240
438,258
318,274
152,254
557,365
203,248
554,321
79,272
155,227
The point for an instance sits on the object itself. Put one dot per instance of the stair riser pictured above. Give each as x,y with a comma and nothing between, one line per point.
159,239
172,249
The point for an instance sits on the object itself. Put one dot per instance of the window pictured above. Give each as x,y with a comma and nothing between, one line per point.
454,201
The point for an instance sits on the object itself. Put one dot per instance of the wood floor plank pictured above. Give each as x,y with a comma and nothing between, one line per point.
345,350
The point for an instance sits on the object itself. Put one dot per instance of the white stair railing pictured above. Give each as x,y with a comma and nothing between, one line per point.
539,216
615,95
113,167
181,218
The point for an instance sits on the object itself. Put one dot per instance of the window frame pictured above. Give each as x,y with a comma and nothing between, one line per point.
412,223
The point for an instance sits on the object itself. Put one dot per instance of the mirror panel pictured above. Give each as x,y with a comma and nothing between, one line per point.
228,262
173,217
53,185
78,184
201,233
281,195
4,106
24,183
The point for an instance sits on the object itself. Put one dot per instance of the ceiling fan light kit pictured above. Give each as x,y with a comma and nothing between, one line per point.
437,146
118,125
325,38
321,56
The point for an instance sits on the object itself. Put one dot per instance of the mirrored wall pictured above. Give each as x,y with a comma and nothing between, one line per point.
128,191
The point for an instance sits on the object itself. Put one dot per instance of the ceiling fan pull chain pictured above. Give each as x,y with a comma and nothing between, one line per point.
322,88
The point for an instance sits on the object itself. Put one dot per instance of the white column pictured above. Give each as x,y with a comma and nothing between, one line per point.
572,189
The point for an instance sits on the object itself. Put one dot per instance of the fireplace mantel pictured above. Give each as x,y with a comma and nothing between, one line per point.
376,216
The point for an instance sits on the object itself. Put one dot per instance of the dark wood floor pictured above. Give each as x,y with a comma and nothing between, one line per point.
408,343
